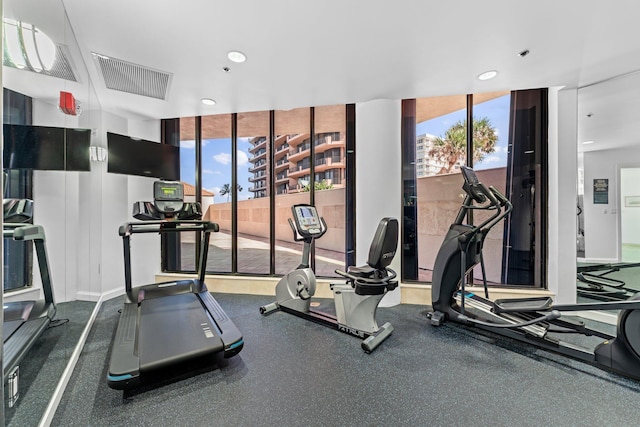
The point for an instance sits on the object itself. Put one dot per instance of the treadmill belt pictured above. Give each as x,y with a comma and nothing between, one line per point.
173,329
8,328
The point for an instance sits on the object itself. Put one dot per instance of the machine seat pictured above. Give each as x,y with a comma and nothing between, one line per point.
373,278
363,271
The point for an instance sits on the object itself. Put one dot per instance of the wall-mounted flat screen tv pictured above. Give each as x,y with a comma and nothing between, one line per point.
46,148
77,142
132,156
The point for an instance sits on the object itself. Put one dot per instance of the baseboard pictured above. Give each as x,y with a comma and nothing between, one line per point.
22,294
599,260
94,296
249,285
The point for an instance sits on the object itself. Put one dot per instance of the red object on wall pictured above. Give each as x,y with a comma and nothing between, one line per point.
67,103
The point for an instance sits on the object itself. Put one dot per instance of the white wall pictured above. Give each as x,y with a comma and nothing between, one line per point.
630,215
378,176
56,208
145,129
145,248
82,211
602,221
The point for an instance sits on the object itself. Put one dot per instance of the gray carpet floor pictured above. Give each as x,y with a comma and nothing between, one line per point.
43,366
296,373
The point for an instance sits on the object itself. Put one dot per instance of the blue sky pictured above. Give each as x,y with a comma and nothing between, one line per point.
216,166
216,153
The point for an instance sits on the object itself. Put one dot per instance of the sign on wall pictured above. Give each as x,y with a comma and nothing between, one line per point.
601,191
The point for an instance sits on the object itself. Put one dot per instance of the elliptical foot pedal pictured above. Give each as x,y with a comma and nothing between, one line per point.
436,318
522,304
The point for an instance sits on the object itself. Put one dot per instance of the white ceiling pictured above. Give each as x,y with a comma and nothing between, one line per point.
332,51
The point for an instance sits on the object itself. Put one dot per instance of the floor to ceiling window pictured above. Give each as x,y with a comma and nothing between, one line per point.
253,192
507,149
330,191
292,133
254,167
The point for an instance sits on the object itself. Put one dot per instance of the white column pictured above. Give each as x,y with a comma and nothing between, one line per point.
378,176
563,169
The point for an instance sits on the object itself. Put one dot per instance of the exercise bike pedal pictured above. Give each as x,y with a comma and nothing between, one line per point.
269,308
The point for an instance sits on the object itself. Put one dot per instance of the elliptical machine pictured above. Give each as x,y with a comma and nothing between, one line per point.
526,319
356,301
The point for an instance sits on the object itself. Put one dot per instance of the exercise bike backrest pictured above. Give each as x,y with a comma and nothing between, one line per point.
381,252
384,244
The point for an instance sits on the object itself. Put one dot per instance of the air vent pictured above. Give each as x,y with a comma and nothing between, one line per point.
132,78
61,68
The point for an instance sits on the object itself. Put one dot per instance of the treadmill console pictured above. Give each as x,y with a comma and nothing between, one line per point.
168,197
17,210
307,220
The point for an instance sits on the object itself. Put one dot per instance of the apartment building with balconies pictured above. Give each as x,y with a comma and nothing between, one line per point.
293,162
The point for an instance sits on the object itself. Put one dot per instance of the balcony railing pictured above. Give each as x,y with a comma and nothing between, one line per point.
326,138
303,147
258,166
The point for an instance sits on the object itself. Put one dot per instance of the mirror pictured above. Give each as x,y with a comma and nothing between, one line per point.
60,203
608,205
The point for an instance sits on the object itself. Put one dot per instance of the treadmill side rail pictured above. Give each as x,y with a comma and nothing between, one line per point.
229,333
124,369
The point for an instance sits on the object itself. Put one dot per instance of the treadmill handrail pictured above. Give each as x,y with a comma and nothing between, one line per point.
167,227
22,231
164,226
34,233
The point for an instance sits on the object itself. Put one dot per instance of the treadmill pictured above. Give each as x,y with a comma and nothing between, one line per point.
173,323
24,321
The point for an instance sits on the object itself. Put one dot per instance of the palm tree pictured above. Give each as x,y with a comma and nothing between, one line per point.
226,189
452,148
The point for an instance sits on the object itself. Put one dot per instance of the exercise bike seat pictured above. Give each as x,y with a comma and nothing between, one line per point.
363,271
373,278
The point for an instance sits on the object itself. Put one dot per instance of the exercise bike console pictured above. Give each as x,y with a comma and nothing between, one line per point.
307,222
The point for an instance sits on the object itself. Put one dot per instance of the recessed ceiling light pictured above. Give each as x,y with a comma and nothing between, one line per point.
208,101
236,56
588,142
487,75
